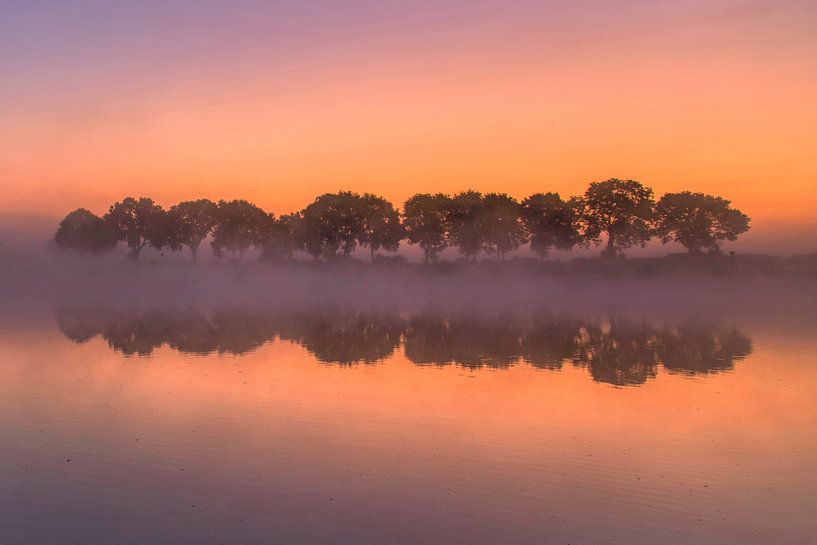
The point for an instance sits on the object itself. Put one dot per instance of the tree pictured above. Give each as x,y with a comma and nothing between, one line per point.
425,219
278,238
465,215
331,223
623,209
551,222
698,221
192,222
381,227
140,222
307,234
240,224
85,232
501,224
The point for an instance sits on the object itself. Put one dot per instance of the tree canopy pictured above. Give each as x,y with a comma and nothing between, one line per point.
335,224
278,238
501,224
140,222
239,226
193,221
551,222
622,209
380,226
465,217
85,232
332,223
425,219
698,221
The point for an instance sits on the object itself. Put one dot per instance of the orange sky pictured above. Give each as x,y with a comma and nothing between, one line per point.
708,96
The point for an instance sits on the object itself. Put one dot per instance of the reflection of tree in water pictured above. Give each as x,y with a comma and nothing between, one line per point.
344,336
81,324
239,331
693,347
187,330
132,332
551,340
428,339
490,342
617,351
436,338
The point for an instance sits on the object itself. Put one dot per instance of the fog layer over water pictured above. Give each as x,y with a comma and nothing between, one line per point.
299,405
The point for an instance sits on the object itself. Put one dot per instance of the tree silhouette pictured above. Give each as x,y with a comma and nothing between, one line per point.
85,232
308,233
240,224
698,221
278,238
332,223
623,209
551,222
193,221
381,227
501,224
140,222
465,212
425,218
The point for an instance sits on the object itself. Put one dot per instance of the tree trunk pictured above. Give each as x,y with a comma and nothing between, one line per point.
372,250
134,255
610,249
194,249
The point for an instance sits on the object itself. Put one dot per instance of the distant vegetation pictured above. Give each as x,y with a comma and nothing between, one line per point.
618,213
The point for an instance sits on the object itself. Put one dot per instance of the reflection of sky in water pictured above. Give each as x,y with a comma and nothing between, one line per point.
454,436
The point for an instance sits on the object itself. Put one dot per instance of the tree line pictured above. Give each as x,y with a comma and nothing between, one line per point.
616,351
616,213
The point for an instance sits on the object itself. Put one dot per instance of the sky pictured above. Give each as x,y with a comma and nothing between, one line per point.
279,101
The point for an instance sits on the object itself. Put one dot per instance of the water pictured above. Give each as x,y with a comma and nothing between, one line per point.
183,423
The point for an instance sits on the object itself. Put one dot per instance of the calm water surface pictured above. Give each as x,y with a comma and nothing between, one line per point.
177,424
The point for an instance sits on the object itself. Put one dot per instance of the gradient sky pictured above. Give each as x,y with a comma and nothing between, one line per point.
278,101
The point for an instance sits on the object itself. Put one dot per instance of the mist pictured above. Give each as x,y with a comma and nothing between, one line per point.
633,286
